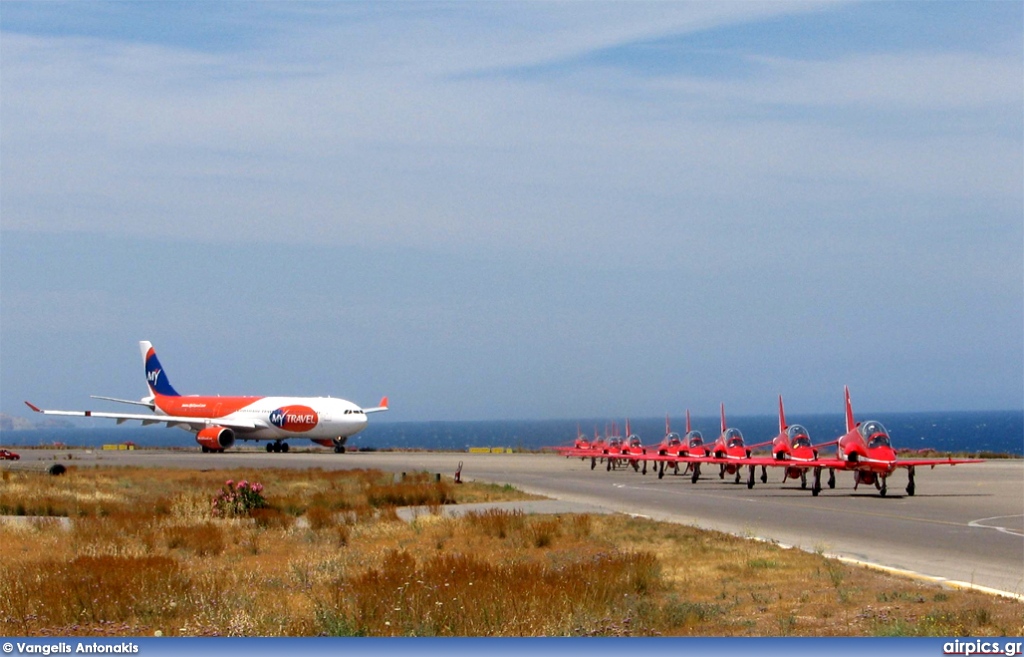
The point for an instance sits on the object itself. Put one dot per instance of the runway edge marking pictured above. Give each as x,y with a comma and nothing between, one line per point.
902,572
952,583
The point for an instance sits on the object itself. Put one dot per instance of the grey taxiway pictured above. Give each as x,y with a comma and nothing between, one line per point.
964,525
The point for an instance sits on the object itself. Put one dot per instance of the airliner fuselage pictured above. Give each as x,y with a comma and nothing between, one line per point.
275,418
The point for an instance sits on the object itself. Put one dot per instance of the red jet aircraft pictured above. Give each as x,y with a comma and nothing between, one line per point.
601,447
731,453
691,450
582,446
629,451
581,443
866,450
791,450
671,442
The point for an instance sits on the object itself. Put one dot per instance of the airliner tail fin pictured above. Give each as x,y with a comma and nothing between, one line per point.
156,378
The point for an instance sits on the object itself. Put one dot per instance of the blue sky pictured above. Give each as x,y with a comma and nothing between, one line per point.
516,210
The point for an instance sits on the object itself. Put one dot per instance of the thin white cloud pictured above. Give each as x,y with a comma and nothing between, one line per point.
469,38
370,131
915,81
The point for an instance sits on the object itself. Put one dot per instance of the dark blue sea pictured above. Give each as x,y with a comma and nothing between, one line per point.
973,432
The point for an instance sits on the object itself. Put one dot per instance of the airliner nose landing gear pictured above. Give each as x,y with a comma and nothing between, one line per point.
339,445
277,446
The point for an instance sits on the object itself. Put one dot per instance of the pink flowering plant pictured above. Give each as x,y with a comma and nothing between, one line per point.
238,499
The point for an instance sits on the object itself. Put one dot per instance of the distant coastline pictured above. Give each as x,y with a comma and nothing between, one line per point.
11,423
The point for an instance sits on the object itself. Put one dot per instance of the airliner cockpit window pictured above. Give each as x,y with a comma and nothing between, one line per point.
733,438
798,436
874,434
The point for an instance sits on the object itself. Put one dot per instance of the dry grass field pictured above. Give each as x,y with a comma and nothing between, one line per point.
133,551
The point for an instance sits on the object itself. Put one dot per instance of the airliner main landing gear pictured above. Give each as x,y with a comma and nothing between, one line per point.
277,446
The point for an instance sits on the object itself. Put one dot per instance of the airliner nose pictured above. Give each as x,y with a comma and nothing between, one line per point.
358,420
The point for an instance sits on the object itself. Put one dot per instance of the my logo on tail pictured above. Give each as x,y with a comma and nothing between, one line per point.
156,377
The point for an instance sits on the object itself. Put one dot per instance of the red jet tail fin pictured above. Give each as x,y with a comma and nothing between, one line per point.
782,417
688,421
850,424
723,417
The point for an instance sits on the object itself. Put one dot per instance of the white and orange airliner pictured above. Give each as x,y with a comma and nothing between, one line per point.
218,422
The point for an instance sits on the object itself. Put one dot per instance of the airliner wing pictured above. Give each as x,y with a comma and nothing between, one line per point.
170,420
148,404
377,409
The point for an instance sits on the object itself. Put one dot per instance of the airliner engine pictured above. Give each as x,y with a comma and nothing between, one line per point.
215,439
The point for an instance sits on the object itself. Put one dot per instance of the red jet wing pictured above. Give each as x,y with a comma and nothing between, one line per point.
914,463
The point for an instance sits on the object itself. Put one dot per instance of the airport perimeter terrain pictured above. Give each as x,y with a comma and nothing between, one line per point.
965,525
246,543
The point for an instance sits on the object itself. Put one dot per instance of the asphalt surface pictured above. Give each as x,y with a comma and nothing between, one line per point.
965,523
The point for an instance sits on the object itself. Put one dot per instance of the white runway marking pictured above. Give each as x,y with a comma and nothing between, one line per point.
981,524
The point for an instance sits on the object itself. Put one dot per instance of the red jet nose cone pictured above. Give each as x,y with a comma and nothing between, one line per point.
883,454
803,453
